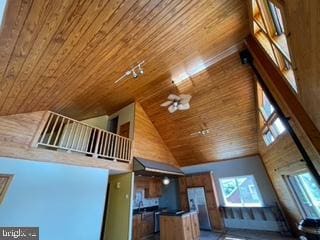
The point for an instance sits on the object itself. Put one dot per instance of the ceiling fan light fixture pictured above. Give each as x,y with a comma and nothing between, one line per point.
175,102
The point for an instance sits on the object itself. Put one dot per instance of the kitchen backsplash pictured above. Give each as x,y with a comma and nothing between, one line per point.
146,202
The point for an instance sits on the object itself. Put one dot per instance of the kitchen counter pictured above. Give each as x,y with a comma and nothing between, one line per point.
182,226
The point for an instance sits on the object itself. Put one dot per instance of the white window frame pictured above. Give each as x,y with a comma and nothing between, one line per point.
242,204
293,193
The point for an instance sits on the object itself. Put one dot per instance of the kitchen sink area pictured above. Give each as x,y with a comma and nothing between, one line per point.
157,206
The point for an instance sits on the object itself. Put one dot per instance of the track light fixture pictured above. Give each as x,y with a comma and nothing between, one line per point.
136,72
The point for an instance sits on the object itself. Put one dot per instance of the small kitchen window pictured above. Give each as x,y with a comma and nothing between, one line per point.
306,192
241,191
5,180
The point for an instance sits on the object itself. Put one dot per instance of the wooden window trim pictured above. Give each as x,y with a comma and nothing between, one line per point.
263,20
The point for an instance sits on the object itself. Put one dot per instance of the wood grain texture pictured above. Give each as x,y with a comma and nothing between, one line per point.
148,143
205,180
184,227
300,121
65,55
280,155
17,134
223,100
304,34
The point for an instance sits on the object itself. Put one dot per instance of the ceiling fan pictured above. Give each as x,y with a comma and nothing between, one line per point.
175,102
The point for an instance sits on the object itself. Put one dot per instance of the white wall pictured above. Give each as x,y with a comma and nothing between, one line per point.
126,114
99,122
65,202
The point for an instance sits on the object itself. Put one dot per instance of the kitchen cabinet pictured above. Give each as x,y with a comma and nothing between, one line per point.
182,227
147,223
143,225
154,189
152,186
136,227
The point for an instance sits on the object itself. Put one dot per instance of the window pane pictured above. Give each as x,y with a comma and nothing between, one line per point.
240,191
248,191
277,18
230,191
308,193
268,138
267,108
278,126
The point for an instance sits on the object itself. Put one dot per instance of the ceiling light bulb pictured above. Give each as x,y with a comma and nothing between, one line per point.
140,70
134,74
165,180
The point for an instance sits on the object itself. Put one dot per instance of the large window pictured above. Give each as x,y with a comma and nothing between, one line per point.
307,193
269,29
271,126
240,191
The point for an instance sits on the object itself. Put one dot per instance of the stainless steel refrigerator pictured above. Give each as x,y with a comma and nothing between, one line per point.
197,202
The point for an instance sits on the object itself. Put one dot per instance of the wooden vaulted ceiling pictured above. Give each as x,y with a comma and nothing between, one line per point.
223,101
65,55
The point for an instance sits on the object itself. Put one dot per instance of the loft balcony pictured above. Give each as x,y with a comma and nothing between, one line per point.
61,133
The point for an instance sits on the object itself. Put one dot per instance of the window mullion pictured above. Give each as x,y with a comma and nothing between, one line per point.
266,17
238,187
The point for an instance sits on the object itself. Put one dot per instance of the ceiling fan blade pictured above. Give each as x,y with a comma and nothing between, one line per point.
185,98
172,108
173,97
185,106
166,104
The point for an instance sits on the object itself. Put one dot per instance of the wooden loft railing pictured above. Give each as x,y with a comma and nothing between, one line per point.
66,134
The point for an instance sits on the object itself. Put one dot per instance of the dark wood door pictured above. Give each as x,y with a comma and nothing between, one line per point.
124,130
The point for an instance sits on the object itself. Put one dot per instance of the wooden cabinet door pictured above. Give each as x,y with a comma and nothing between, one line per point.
195,226
137,227
154,189
147,224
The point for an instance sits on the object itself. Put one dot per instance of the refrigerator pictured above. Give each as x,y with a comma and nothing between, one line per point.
197,202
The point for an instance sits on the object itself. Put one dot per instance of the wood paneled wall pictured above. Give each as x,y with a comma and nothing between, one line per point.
302,18
280,159
205,180
148,143
18,132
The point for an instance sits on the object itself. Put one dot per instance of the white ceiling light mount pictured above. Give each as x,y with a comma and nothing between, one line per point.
175,102
135,72
202,132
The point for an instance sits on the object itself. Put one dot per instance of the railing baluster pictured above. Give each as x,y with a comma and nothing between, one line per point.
97,144
92,138
115,151
79,140
70,133
85,139
127,149
46,129
59,130
103,143
74,137
53,128
106,145
64,132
